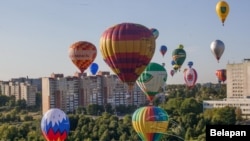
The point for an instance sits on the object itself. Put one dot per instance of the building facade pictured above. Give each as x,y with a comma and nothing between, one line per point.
69,93
238,89
20,90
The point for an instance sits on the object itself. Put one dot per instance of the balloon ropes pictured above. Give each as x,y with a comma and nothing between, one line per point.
55,125
217,47
82,54
150,122
152,80
127,48
190,76
222,10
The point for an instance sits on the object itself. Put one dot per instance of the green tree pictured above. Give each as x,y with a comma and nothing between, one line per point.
224,116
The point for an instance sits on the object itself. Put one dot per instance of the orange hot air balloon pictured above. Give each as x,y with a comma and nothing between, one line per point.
221,75
127,48
82,54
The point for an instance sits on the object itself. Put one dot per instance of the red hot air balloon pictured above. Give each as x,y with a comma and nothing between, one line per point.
82,54
127,48
190,76
221,75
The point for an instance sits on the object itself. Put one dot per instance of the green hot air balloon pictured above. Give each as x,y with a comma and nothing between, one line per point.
179,56
152,80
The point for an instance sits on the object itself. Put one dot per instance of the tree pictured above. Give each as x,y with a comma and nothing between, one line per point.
190,105
224,116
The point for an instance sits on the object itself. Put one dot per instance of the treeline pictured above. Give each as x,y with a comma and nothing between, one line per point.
184,107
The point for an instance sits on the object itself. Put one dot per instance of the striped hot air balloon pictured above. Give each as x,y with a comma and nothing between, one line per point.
150,123
127,48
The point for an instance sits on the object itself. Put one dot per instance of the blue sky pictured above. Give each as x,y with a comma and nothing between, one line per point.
35,35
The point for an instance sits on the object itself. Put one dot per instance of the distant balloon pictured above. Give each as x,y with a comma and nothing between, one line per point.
127,48
222,10
190,64
190,76
55,125
217,48
152,80
150,123
163,50
221,75
155,32
94,68
172,72
178,56
82,54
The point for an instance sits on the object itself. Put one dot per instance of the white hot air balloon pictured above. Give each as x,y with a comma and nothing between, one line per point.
217,48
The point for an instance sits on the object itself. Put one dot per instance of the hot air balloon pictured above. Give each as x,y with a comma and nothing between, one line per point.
222,10
172,72
82,54
217,48
127,48
163,50
178,56
190,76
221,75
55,125
152,80
94,68
150,123
155,32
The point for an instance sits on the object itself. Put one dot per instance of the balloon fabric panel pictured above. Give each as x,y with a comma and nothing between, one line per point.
150,122
127,49
82,54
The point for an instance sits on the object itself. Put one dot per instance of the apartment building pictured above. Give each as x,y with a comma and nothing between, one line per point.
68,93
238,88
21,90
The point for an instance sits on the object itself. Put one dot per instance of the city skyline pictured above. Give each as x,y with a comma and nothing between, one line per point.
35,35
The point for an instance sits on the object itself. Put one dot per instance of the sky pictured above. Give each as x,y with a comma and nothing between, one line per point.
35,35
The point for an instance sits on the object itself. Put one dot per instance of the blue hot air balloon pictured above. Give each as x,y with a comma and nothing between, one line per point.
94,68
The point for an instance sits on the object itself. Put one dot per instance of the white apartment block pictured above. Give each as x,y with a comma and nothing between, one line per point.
68,93
238,88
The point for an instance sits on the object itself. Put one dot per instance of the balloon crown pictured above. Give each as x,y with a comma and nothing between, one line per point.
181,46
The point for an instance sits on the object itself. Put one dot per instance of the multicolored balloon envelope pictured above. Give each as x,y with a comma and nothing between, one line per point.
82,54
221,75
127,48
150,123
163,50
152,80
222,10
190,76
178,56
55,125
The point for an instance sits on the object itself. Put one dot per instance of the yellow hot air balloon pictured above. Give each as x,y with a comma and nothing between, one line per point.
222,10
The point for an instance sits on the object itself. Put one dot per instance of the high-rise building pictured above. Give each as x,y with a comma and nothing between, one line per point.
69,93
238,79
21,90
238,88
